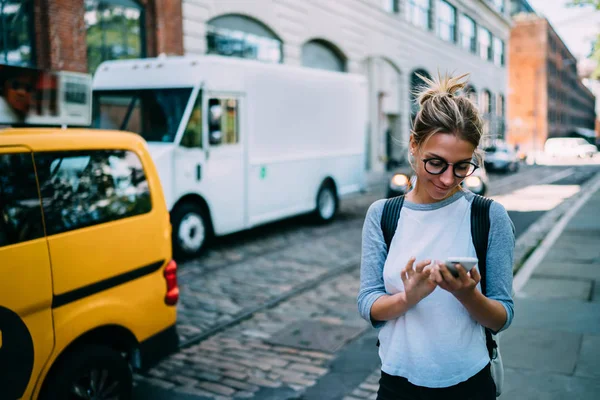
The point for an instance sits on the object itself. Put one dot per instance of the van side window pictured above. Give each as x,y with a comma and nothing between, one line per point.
85,188
192,136
20,212
223,121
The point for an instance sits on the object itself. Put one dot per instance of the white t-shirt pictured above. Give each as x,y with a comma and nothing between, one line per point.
436,343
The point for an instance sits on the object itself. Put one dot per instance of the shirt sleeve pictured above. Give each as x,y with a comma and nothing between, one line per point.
499,260
374,254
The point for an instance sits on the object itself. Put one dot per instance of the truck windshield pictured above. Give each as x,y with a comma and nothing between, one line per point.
155,114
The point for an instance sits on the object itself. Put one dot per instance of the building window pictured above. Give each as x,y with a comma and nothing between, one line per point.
418,13
486,103
485,44
16,32
243,37
498,5
500,107
446,21
471,93
416,83
115,31
391,6
323,55
498,52
468,33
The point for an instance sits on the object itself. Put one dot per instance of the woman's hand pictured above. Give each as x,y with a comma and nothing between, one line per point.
463,285
417,281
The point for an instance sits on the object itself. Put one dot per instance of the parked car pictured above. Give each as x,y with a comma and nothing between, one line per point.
404,179
89,290
501,157
569,147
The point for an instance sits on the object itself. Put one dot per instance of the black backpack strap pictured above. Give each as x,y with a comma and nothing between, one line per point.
480,230
389,221
389,218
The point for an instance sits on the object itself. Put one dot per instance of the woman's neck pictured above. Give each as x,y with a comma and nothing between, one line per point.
420,196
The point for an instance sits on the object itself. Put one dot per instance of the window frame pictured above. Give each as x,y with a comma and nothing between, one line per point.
452,26
31,33
472,48
413,4
52,231
40,231
142,27
488,33
222,97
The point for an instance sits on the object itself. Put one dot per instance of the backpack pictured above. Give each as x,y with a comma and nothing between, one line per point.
480,229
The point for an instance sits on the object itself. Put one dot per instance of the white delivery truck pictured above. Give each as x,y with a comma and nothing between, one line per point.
239,143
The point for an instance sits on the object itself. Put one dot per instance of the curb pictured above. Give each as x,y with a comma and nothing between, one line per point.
533,237
539,252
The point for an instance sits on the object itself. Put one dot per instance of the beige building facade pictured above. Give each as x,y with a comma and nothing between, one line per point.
388,41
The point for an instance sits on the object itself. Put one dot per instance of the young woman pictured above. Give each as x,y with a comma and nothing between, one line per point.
432,338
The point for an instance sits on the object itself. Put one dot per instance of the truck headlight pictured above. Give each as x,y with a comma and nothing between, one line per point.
399,181
473,182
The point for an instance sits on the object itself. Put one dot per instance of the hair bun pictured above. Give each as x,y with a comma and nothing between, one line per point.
442,86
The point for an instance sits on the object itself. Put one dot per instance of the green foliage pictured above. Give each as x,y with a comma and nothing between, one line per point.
595,54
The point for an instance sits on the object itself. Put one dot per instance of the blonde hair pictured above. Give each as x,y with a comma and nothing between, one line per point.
445,108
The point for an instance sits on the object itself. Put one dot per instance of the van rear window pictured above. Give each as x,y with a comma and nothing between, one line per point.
85,188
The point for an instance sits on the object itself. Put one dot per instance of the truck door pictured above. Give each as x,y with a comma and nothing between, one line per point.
211,161
26,328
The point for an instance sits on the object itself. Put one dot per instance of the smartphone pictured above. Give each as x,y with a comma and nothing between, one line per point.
467,263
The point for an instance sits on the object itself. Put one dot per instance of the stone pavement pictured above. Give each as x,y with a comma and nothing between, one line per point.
552,349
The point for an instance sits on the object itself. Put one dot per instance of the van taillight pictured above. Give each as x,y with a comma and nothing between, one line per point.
172,295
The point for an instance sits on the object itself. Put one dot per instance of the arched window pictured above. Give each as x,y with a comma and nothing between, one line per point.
486,102
16,32
471,93
415,84
115,31
500,106
323,55
243,37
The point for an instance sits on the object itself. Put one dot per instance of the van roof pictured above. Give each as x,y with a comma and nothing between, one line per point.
189,70
53,139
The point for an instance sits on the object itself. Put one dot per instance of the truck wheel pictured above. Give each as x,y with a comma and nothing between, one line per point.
190,230
327,203
90,372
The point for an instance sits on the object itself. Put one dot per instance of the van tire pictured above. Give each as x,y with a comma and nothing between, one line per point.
78,366
327,203
191,230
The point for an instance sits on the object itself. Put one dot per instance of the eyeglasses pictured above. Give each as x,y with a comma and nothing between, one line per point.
437,166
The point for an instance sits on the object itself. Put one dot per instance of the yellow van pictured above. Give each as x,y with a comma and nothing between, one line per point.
88,290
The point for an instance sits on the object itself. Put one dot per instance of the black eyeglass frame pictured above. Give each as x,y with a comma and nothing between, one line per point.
426,160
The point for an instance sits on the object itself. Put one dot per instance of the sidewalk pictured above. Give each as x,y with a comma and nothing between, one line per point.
552,349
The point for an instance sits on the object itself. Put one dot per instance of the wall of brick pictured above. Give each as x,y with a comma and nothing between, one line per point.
60,34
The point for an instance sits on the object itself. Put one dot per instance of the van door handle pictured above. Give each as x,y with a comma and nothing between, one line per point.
199,172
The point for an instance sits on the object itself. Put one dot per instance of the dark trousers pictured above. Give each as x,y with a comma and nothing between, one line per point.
479,387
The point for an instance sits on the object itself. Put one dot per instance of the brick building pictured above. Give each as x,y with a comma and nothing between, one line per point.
545,96
391,42
76,35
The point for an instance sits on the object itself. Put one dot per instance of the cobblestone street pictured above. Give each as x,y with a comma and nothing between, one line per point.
265,314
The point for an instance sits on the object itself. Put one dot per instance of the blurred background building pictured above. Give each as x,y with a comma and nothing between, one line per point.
546,97
389,41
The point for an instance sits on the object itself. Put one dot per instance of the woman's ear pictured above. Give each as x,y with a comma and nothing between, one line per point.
412,146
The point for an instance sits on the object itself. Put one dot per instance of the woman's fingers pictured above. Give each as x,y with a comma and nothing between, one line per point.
421,265
475,275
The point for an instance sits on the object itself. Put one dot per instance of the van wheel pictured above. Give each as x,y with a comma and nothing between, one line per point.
191,230
327,203
90,372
